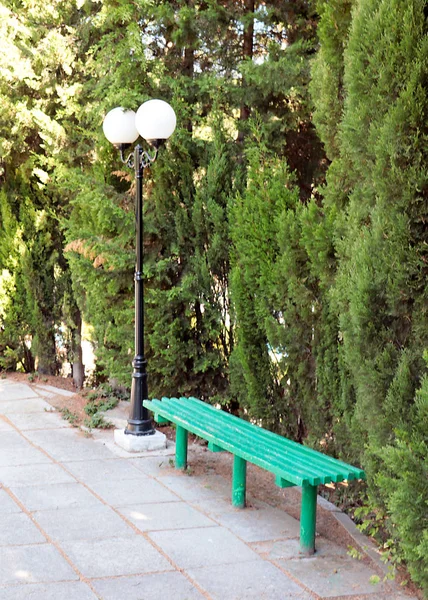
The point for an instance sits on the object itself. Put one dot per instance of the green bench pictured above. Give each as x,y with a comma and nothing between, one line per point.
290,462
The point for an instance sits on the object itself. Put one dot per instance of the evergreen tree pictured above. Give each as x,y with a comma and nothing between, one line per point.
35,88
327,85
380,302
372,73
273,298
403,484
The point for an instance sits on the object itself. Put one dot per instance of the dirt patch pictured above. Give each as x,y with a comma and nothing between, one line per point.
75,405
64,383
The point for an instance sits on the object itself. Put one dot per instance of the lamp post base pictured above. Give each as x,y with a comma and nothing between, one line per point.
139,427
140,443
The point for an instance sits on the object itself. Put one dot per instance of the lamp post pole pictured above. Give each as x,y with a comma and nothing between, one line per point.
155,121
139,422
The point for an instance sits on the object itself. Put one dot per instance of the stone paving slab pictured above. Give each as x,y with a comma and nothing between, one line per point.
18,529
132,555
155,517
83,523
32,405
133,491
94,471
185,487
40,420
13,441
50,591
20,456
255,525
220,505
15,391
156,466
34,474
377,595
33,564
7,505
202,547
4,382
158,586
333,576
49,391
5,426
290,548
68,445
54,496
255,580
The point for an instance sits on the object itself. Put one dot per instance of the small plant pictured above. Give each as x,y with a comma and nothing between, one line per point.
69,416
99,401
96,406
354,553
97,421
371,521
374,579
31,377
92,395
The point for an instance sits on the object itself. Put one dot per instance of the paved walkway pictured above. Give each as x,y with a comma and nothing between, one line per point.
81,519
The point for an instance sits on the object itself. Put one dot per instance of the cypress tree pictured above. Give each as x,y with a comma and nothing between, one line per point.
381,304
273,292
35,88
376,193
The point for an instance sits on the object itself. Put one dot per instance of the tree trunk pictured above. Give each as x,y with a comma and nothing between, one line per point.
247,53
77,367
28,358
46,348
188,69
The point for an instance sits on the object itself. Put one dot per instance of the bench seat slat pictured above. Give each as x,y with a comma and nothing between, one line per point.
291,461
336,470
274,444
291,465
284,442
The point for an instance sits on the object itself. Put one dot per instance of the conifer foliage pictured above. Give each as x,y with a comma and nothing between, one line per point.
37,55
376,76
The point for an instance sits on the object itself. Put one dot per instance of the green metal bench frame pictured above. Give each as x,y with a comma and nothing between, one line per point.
290,462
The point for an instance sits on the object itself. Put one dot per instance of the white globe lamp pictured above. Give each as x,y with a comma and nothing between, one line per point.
119,126
155,121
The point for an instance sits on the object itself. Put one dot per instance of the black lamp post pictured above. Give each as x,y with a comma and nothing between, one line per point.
155,121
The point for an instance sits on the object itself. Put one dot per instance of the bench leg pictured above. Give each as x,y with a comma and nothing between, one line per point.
180,448
239,481
308,518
